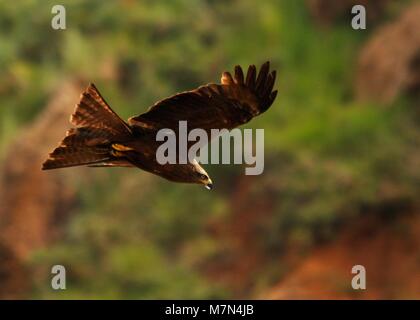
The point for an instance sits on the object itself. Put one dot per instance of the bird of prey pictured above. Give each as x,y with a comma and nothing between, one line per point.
101,138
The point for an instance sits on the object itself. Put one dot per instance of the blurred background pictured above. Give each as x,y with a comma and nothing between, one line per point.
341,184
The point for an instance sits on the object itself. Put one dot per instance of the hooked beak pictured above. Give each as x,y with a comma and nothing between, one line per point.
209,185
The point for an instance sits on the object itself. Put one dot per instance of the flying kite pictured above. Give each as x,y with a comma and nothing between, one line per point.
102,139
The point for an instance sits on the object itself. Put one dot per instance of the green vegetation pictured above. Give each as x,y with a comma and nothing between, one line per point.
134,235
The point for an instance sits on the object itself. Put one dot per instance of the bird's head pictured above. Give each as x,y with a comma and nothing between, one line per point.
205,180
208,184
201,176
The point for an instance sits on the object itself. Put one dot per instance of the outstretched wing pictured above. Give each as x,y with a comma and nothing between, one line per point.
214,106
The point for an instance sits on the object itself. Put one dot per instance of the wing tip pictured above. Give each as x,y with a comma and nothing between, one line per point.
48,164
239,75
264,85
261,82
226,78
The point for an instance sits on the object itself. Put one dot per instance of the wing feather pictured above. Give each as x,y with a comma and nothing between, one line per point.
239,75
214,106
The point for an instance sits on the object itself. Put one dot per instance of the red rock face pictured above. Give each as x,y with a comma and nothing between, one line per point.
389,64
387,249
33,202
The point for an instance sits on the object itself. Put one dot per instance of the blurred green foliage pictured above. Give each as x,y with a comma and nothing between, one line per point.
137,236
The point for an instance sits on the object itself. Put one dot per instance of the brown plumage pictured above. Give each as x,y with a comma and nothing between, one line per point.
101,138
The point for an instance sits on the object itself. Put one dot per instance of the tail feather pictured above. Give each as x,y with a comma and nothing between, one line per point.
86,136
92,111
66,156
97,127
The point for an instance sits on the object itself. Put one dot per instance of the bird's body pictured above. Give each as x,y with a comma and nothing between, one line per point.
141,152
102,139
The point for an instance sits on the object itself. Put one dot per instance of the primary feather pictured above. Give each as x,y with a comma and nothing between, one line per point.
214,106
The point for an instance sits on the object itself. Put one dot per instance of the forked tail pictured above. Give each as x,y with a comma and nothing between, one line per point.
97,128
